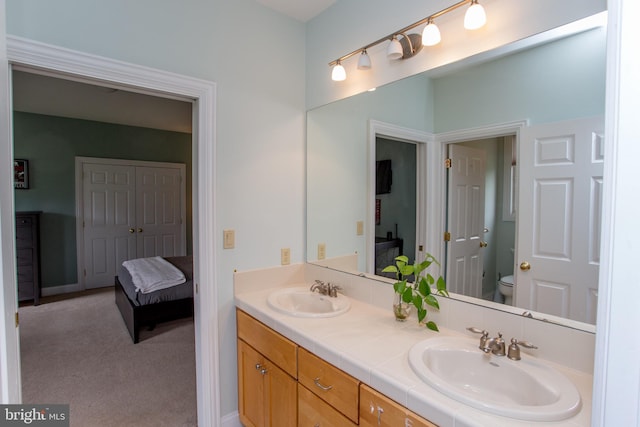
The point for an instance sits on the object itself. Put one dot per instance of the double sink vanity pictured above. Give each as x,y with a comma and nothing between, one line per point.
306,357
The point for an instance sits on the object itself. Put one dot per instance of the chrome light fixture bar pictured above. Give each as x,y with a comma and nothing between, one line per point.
411,43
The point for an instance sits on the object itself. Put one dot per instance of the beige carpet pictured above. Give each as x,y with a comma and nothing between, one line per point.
78,352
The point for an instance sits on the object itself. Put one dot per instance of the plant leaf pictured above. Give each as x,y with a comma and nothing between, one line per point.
407,295
442,286
402,258
432,301
431,325
406,270
423,287
390,269
400,286
422,313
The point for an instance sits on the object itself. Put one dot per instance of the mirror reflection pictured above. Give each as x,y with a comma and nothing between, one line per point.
367,200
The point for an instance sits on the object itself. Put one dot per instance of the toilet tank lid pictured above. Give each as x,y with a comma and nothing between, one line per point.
507,279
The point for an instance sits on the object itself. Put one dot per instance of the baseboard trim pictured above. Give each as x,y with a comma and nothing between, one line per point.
231,420
58,290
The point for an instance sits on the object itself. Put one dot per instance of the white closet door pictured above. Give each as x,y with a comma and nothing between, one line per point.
109,218
129,210
465,220
158,212
560,193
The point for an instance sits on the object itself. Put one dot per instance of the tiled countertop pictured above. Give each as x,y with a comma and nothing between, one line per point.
370,345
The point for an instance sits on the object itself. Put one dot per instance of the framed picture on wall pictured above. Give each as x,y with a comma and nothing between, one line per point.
21,174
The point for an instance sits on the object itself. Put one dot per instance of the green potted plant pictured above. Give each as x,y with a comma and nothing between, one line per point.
419,293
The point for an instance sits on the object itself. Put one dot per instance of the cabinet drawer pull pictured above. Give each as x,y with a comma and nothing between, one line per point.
316,381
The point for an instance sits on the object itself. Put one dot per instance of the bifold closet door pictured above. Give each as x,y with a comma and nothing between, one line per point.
158,212
109,212
129,212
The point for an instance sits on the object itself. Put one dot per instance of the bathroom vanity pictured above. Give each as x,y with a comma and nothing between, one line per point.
353,368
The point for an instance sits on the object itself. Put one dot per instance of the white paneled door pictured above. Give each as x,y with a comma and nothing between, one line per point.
560,196
129,211
465,220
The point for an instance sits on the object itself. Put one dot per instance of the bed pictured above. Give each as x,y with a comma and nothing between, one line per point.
139,310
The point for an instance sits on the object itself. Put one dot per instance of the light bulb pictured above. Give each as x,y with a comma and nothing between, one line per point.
364,62
338,73
430,34
394,51
475,17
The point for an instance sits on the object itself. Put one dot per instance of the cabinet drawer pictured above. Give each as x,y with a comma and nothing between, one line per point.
377,410
313,411
332,385
272,345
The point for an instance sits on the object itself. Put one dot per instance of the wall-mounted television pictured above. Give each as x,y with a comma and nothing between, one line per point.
383,176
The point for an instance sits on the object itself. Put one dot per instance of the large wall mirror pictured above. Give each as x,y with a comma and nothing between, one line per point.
516,118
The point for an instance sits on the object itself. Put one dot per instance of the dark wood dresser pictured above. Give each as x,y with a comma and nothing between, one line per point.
28,254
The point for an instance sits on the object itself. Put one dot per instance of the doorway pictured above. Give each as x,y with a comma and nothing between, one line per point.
202,95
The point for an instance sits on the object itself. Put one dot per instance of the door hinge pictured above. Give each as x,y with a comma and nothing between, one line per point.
420,248
447,236
17,319
447,163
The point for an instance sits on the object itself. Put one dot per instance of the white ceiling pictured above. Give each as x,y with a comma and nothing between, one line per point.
302,10
41,94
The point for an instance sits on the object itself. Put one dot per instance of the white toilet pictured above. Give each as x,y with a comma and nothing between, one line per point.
505,286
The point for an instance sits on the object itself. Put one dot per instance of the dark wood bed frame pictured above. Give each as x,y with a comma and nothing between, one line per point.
137,316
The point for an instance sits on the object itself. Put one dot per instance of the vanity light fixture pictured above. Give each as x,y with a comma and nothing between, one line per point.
338,72
364,62
394,50
410,44
475,17
430,34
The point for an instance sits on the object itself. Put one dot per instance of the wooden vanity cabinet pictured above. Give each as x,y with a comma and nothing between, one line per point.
377,410
337,388
267,368
315,412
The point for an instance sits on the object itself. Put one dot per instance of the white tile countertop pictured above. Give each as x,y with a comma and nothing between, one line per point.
367,343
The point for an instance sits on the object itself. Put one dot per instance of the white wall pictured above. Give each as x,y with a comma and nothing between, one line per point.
260,112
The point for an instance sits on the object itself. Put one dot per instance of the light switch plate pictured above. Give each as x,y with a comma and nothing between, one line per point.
322,251
285,256
229,239
359,228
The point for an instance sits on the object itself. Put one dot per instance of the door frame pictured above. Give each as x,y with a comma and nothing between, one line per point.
80,161
421,139
32,56
437,173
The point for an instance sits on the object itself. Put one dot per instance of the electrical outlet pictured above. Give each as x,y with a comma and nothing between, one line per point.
229,239
359,228
285,256
322,251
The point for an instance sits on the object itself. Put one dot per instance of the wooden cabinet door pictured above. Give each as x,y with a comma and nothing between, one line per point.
250,386
280,397
266,394
377,410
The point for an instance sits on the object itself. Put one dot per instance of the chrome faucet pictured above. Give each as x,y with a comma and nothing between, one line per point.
497,345
493,345
328,289
320,286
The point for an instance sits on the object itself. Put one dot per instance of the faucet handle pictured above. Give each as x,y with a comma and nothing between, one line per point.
483,339
514,348
477,330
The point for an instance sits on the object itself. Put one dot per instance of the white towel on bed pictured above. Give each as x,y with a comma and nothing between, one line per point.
153,274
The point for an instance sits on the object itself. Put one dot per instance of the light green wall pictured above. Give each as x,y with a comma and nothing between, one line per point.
557,81
50,144
256,57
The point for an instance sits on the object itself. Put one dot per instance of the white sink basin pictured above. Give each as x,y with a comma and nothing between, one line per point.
525,389
301,302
